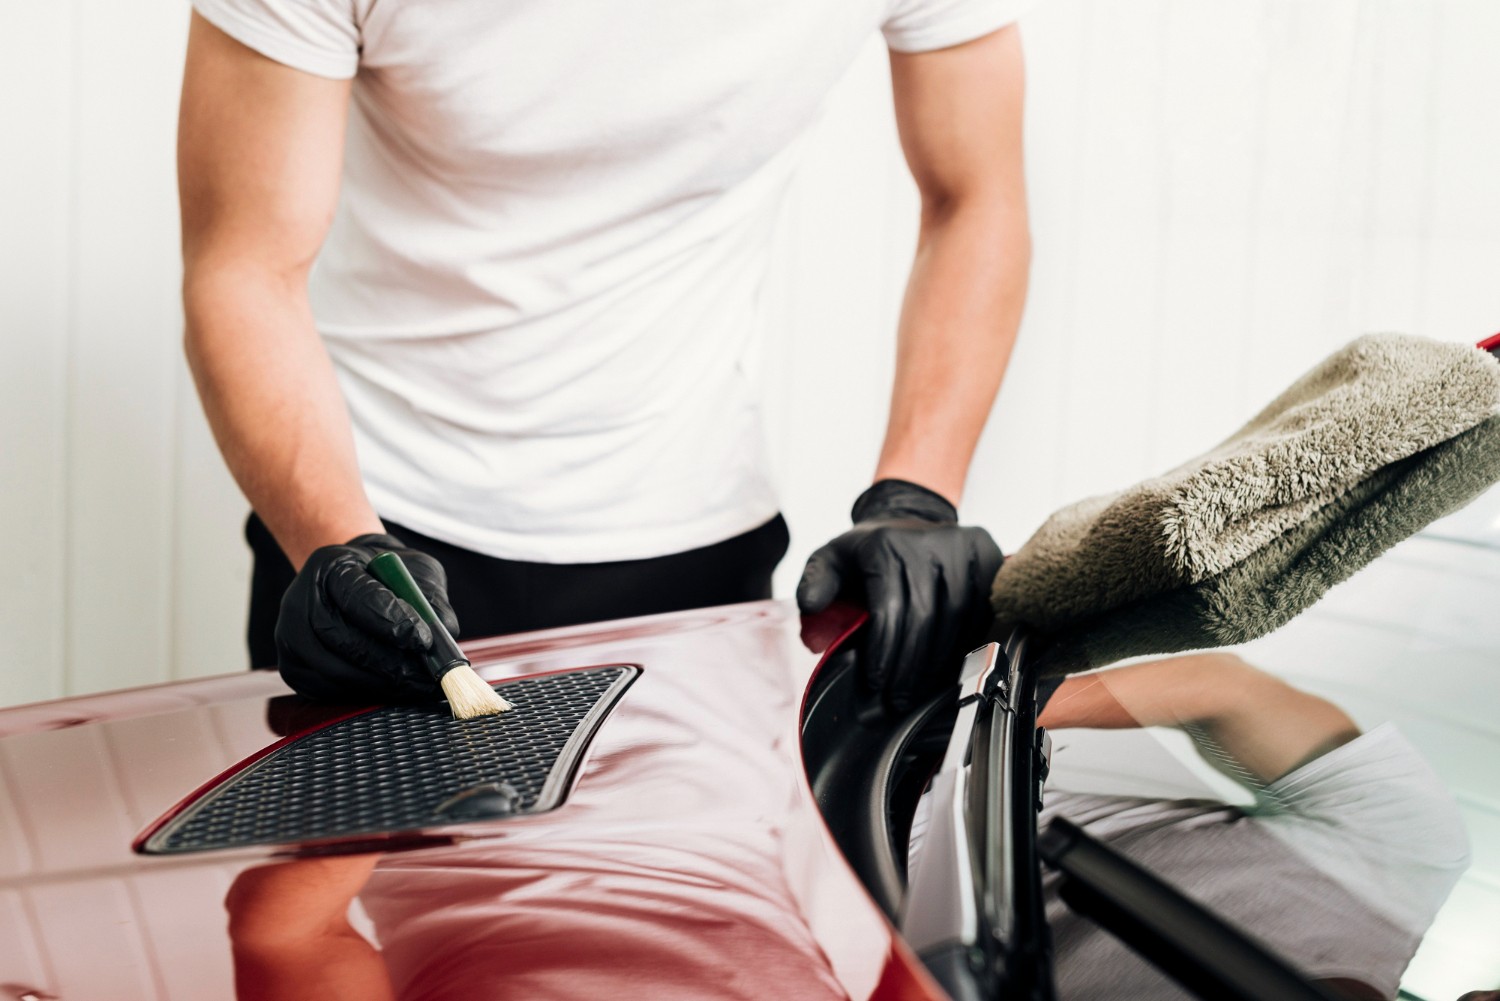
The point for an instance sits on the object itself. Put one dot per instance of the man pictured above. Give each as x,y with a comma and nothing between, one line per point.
1352,846
540,231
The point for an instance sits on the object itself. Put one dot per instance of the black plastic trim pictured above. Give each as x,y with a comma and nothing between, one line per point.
867,773
399,771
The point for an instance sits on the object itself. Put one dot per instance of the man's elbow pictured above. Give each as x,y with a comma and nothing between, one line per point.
233,252
224,292
994,211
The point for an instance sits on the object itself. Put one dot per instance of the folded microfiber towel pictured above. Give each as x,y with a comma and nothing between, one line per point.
1376,442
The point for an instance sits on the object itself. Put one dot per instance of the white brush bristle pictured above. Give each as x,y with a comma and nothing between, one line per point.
470,696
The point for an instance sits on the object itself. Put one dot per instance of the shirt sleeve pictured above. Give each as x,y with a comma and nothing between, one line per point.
316,36
924,25
1374,814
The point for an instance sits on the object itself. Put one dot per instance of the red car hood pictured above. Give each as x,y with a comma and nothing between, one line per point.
688,861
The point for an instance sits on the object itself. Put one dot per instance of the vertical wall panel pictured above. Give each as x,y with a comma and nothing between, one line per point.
1399,105
1017,472
1357,174
1301,194
1120,197
126,328
211,563
1213,99
1461,294
35,61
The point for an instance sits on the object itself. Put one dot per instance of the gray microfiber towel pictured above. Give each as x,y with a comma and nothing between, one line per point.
1379,440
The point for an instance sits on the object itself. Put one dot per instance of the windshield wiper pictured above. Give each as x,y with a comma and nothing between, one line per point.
1179,936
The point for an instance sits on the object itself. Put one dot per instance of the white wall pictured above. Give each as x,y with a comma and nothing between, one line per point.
122,567
1221,194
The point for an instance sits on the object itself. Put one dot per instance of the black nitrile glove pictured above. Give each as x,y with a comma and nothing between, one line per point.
342,636
925,580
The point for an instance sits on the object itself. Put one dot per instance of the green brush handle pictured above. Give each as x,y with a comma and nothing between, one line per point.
444,654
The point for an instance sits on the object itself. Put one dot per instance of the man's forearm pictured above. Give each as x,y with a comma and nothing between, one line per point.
1264,725
958,324
259,149
270,395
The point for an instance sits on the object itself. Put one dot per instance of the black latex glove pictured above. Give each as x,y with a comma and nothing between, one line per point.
925,580
342,636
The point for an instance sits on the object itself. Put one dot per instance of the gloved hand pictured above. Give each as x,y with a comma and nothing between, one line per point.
342,636
924,579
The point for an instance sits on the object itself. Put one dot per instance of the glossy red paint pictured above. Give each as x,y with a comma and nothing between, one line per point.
689,861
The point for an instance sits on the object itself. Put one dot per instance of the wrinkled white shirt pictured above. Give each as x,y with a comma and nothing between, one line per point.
541,288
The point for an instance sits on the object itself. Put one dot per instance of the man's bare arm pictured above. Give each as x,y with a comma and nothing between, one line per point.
959,112
260,148
290,936
1264,725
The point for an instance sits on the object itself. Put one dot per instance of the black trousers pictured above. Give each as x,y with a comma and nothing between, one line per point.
493,596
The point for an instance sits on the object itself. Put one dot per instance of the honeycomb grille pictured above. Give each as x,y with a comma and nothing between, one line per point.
392,769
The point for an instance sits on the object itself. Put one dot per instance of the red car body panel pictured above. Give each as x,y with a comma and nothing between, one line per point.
688,861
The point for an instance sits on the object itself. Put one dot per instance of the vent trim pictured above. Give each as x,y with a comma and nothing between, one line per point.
386,771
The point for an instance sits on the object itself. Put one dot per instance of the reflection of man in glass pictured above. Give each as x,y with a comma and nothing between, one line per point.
1340,866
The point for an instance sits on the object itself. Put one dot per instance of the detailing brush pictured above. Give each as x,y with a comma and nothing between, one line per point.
468,694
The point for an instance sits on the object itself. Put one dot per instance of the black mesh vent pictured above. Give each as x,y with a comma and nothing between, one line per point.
407,767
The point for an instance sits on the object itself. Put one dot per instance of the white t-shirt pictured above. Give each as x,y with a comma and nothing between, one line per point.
541,287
